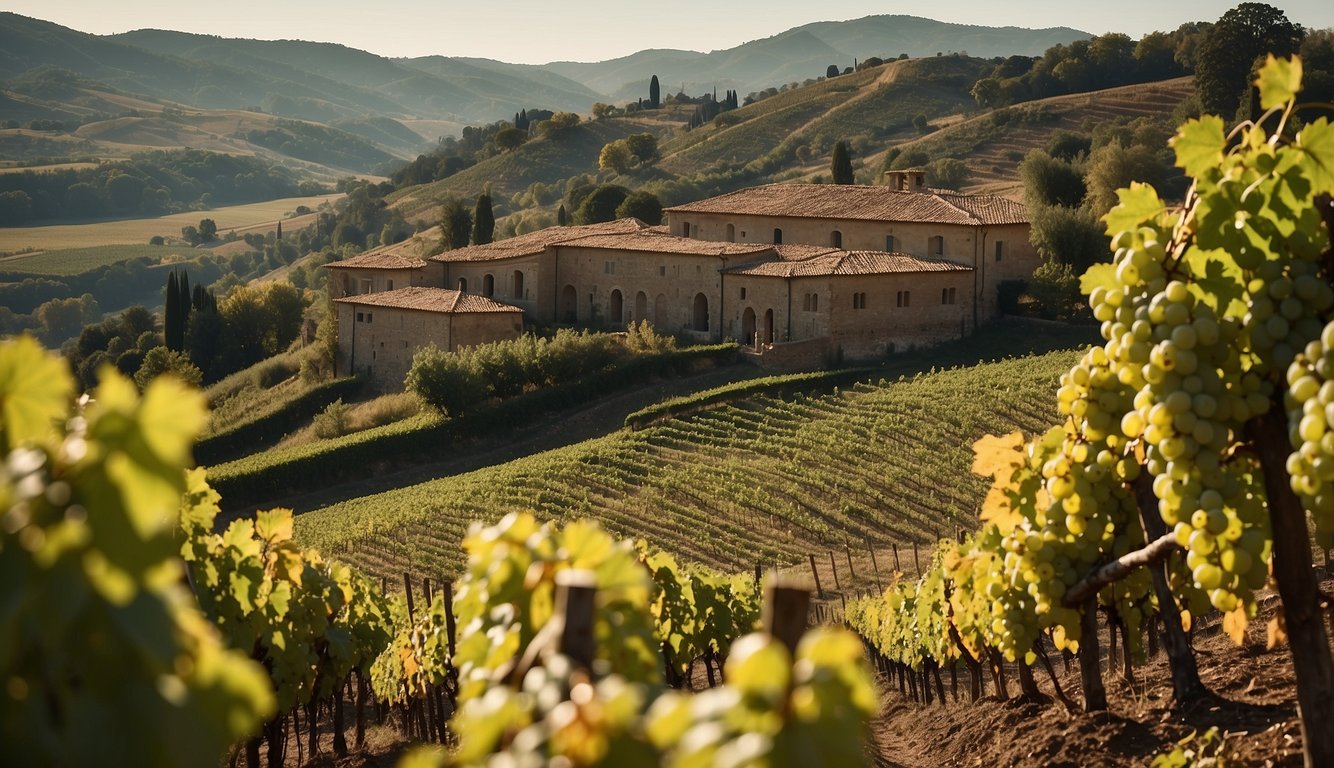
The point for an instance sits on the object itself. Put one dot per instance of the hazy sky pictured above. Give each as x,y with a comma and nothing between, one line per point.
537,31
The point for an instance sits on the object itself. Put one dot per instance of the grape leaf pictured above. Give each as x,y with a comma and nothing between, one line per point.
35,389
1279,81
1277,633
1219,282
1317,141
1234,624
1199,145
995,456
1097,276
1139,204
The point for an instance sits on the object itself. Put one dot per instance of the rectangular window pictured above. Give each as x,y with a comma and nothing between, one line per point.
365,286
1000,250
390,286
361,317
859,301
662,271
368,317
901,299
743,292
609,267
889,243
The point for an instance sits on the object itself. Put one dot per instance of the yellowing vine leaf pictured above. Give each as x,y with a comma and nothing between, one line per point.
1199,145
1277,633
998,456
1279,81
1234,624
35,389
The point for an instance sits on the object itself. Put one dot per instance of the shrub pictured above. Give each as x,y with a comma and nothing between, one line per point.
332,421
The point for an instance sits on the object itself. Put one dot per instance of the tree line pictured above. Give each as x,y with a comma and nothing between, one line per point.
148,184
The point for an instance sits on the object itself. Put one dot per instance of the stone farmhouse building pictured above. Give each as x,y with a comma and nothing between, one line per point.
799,273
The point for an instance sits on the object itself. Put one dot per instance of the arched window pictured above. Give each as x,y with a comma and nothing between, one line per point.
616,308
685,229
701,312
731,233
836,239
488,285
891,245
778,236
518,284
463,285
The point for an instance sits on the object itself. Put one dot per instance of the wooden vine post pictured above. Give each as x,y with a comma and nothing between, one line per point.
818,589
576,605
784,613
833,567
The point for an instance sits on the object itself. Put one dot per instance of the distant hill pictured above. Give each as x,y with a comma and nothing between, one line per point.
805,52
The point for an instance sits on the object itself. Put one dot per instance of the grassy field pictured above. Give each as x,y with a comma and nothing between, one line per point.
73,261
4,168
135,231
764,479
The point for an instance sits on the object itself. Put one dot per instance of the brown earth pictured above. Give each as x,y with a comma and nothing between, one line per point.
1255,709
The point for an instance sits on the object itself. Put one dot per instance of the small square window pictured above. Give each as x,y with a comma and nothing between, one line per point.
743,291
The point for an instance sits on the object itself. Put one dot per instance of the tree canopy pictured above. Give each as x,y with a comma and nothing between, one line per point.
1228,53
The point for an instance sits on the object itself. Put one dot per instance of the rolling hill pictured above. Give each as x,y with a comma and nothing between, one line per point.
805,52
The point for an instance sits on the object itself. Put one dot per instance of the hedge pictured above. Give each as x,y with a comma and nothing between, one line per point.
263,476
271,426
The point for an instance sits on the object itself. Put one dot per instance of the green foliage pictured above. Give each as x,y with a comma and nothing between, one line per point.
332,421
106,661
947,173
150,184
1112,167
453,381
161,361
1227,56
1049,180
601,204
1070,236
783,711
1198,750
641,205
455,224
265,422
615,157
641,338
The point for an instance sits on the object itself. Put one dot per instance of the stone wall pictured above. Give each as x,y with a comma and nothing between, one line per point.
872,315
351,281
530,275
379,342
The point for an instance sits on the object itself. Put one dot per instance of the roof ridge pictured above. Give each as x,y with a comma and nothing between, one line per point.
964,211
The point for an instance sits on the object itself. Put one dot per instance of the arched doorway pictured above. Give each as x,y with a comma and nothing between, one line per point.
768,326
518,284
748,326
660,311
569,305
463,285
616,308
731,233
641,306
488,285
700,313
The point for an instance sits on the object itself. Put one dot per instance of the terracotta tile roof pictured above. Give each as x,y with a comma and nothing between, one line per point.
852,201
658,242
989,209
377,259
429,300
534,243
849,263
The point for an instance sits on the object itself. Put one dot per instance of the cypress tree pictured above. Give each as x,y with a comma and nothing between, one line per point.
560,215
483,220
183,302
171,313
840,165
279,236
654,93
523,118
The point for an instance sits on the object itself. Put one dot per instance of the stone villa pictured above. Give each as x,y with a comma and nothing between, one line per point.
799,273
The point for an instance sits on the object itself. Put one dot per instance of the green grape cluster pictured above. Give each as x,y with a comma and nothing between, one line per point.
1310,403
1191,398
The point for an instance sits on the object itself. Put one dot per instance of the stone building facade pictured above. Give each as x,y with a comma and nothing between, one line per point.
378,333
859,271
